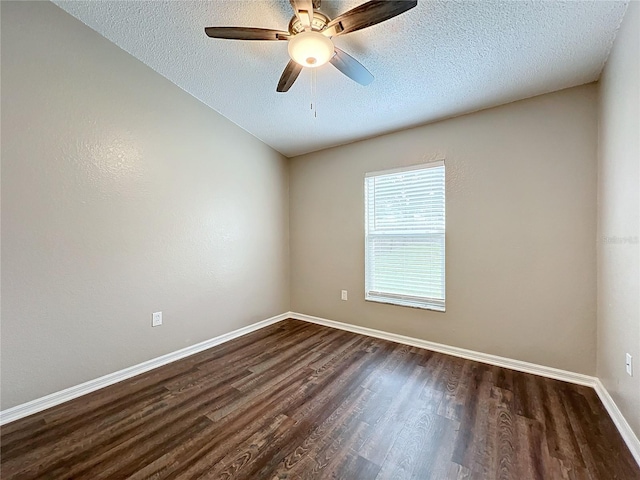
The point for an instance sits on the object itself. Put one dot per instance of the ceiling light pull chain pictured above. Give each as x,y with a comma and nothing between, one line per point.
314,103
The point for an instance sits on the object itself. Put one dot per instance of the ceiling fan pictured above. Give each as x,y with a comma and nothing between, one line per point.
310,33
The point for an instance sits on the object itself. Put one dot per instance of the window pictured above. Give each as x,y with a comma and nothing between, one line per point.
405,236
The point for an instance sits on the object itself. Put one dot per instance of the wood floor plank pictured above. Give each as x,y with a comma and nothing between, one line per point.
454,400
422,449
473,432
561,437
504,465
233,463
320,406
388,426
529,448
337,459
345,416
237,425
356,468
301,401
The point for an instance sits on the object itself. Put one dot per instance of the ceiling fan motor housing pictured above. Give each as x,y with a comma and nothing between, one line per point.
319,22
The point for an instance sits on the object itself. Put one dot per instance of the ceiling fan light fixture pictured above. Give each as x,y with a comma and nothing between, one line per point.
311,49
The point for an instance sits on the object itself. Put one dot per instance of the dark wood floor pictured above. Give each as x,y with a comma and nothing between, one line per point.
297,400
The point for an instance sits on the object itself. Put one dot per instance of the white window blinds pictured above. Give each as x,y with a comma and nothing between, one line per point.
405,236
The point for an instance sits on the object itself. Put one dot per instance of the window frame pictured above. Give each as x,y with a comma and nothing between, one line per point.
405,300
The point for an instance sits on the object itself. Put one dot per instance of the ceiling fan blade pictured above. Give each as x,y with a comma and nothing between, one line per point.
289,76
368,14
351,67
304,11
246,33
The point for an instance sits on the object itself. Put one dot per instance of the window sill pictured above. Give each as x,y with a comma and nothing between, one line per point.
400,303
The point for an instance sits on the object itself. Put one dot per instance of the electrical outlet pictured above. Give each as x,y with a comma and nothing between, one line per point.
156,319
344,296
629,365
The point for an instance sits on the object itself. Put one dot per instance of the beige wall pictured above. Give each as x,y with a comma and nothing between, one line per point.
521,228
122,195
619,219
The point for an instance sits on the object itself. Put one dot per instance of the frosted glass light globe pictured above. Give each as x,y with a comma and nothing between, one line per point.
310,49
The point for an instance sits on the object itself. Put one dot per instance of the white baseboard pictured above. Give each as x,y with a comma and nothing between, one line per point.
56,398
518,365
620,422
625,430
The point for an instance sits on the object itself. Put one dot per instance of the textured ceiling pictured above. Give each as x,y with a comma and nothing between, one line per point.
441,59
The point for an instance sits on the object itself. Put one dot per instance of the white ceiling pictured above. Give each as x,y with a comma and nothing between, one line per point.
441,59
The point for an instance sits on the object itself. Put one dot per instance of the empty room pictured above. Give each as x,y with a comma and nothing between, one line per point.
336,239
